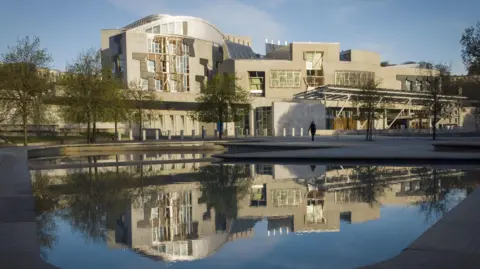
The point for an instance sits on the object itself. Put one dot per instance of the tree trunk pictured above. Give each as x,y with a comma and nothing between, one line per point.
94,131
434,124
220,122
89,120
140,125
88,131
25,133
116,126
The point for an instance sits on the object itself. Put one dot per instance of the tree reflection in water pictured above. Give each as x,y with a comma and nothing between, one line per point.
96,193
222,186
45,206
436,186
372,184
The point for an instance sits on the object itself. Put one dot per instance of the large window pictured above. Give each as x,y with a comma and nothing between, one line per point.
286,197
263,120
144,84
175,27
153,47
313,60
158,85
351,78
151,66
256,83
284,79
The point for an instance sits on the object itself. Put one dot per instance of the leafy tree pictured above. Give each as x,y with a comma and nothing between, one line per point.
96,194
369,102
438,83
22,86
221,100
142,99
470,42
384,63
89,92
223,186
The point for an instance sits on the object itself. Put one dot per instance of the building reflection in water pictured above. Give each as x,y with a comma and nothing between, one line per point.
211,205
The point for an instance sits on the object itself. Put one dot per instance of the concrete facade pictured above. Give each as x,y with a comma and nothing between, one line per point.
293,201
180,53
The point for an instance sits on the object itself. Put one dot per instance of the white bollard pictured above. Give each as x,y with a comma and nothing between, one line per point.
169,135
284,132
215,133
130,134
157,134
119,136
237,130
181,134
144,135
193,133
265,132
301,131
293,131
246,132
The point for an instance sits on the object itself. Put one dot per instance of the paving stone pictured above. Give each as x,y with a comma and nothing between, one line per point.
19,209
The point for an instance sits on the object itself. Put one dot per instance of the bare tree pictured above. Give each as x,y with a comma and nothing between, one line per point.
369,102
438,83
142,98
21,84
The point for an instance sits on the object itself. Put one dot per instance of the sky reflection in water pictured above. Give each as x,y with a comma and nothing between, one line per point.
198,215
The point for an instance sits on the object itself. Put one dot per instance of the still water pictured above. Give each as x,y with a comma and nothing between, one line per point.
202,215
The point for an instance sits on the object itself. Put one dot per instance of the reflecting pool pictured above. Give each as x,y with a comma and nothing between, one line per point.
203,215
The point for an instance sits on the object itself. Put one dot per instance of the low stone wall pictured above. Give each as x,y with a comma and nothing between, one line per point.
123,147
19,246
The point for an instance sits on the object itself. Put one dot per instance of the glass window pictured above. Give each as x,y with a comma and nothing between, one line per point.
408,85
158,85
149,30
164,28
353,78
156,29
170,27
178,28
284,79
151,66
144,84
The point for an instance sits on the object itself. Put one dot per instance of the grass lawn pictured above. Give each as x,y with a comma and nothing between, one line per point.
35,139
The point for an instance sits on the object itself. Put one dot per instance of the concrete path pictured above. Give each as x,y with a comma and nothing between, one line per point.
385,149
453,242
19,246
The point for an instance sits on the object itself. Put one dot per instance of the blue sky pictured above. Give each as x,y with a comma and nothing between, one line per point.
400,30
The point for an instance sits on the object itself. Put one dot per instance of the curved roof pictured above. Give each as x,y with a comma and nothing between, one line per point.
156,17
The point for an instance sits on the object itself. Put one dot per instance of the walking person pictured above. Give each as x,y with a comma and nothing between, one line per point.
312,129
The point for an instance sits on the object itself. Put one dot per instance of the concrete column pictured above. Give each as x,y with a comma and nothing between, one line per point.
119,136
144,135
130,134
293,131
169,135
284,132
157,134
301,131
181,134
